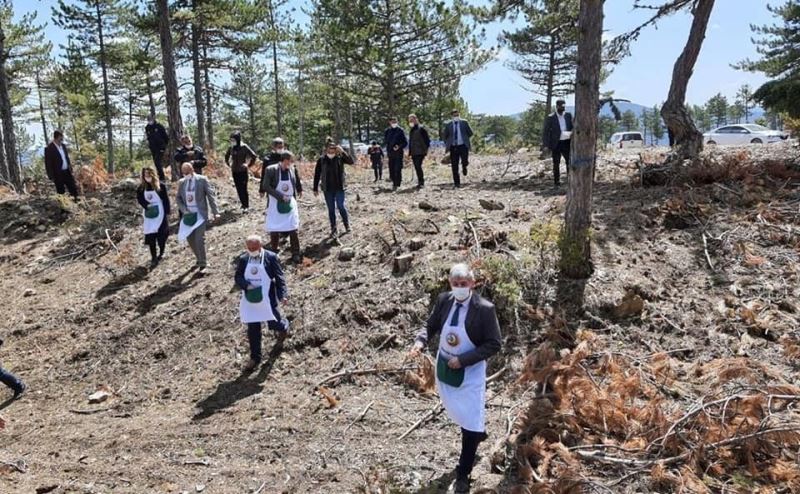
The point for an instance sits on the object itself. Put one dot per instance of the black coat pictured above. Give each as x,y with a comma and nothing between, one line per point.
395,137
198,159
157,138
52,160
418,141
552,130
329,172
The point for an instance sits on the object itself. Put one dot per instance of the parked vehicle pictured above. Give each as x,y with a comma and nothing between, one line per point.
624,140
743,134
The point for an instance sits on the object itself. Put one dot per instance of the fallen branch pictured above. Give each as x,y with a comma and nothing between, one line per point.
436,410
258,491
360,416
364,372
108,237
705,249
90,412
475,236
15,466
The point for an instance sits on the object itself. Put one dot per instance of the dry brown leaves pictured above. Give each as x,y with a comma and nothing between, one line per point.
423,378
93,178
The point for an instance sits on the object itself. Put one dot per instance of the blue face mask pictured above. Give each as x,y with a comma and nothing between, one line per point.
461,293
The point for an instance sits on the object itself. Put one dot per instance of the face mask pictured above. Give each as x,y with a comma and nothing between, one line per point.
233,143
279,149
393,125
330,156
254,253
461,293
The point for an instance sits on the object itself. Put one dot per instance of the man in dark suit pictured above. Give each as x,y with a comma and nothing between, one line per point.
12,381
189,153
470,335
58,165
558,137
456,137
157,141
394,138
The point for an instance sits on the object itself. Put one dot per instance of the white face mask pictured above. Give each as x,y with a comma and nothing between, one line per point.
393,125
456,119
254,253
233,143
330,156
461,293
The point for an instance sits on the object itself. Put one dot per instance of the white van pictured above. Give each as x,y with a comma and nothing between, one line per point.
624,140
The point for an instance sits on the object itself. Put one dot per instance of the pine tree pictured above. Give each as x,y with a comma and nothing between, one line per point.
717,108
629,121
744,96
656,126
170,81
93,23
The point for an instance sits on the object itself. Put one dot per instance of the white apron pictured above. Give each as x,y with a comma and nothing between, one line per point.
185,230
152,225
261,311
466,403
276,221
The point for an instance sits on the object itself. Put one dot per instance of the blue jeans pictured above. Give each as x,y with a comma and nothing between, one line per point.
10,380
338,198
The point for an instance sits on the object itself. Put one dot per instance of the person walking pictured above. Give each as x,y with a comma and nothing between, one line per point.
376,157
470,335
12,381
157,141
457,134
196,195
284,187
239,157
419,141
152,196
271,158
330,175
558,137
59,167
189,153
259,275
394,138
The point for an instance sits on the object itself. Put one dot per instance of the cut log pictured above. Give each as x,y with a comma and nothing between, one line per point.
491,205
402,264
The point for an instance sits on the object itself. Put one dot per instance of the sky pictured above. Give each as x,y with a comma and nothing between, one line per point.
642,78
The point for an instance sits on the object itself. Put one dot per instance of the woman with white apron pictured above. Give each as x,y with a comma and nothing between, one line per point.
152,196
191,220
282,183
470,334
260,277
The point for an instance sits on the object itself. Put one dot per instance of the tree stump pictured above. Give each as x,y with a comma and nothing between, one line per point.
402,264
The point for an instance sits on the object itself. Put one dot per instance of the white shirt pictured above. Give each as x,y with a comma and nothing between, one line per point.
462,313
64,163
562,122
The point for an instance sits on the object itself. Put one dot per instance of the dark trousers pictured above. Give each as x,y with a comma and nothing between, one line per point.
10,379
158,161
240,179
396,167
334,201
160,238
294,239
459,155
65,181
254,332
377,167
562,149
469,449
417,159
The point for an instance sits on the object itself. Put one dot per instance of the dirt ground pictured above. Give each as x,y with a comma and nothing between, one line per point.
713,270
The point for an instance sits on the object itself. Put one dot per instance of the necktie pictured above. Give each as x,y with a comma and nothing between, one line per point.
454,319
191,184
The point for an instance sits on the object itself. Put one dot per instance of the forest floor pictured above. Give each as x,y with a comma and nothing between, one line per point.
705,277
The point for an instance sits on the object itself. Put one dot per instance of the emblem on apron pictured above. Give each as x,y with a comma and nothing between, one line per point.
190,198
452,339
285,188
254,270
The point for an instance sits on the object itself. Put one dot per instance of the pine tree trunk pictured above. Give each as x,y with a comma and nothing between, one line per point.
301,98
276,79
209,108
12,168
198,76
41,105
575,242
130,126
4,178
106,96
150,100
170,84
688,140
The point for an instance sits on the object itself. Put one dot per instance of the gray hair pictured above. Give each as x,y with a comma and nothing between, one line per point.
461,271
255,238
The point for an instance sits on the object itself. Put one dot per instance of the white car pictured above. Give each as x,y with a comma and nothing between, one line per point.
743,134
623,140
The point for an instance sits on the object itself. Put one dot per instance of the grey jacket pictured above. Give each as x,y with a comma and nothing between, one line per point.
205,195
481,325
449,133
272,177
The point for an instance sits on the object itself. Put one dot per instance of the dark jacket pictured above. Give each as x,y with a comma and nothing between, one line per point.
52,159
552,130
267,160
157,138
395,137
330,172
277,290
481,325
237,156
198,159
272,177
449,134
375,154
418,141
162,193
